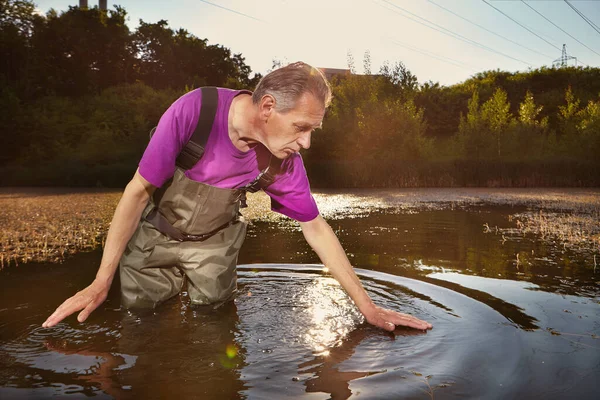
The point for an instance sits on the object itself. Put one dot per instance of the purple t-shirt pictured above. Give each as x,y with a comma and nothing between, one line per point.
223,165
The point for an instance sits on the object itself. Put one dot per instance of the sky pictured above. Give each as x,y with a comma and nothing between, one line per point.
433,38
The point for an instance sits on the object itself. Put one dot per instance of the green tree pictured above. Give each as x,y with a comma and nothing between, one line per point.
569,118
529,112
569,113
497,117
393,130
178,59
589,131
529,137
399,80
82,51
17,22
471,139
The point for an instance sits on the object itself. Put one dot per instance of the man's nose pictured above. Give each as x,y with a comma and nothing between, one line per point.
304,140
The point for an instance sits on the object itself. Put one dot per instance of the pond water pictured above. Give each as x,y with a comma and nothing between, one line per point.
513,317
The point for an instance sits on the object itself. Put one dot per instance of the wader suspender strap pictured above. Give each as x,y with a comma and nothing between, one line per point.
192,153
194,149
264,179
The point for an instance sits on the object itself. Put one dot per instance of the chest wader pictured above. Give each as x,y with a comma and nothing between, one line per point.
188,231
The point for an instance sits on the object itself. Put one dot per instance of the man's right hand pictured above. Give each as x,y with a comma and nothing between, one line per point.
87,300
126,218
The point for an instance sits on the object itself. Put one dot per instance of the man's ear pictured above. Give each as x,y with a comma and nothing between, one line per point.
266,106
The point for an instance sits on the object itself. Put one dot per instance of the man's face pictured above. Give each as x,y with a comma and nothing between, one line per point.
287,133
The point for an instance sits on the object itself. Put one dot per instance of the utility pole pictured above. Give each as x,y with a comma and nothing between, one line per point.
562,61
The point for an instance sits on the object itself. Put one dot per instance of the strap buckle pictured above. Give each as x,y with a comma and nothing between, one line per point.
242,199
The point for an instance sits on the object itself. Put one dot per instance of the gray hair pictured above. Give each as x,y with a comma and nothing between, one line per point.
289,83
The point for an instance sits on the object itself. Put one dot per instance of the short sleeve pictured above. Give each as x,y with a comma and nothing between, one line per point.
290,193
174,130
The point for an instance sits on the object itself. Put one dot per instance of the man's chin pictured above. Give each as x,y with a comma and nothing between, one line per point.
283,154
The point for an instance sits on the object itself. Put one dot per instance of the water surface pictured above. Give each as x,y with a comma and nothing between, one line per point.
513,316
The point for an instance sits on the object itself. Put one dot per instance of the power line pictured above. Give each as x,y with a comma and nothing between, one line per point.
574,38
448,32
492,32
520,24
433,55
233,11
586,19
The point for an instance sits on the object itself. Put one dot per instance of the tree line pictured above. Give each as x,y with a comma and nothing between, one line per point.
534,128
79,92
80,87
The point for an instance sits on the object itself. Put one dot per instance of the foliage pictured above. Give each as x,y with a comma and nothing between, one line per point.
483,133
83,51
78,139
79,92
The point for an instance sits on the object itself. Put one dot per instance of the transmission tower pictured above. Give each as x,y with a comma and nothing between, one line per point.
562,61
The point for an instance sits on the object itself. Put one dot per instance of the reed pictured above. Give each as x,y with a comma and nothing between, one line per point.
574,230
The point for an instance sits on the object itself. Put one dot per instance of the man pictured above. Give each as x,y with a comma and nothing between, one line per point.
201,204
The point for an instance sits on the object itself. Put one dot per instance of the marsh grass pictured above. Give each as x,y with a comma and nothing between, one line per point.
573,230
571,223
50,224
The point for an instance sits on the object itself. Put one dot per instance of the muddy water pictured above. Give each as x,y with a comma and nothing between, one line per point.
513,316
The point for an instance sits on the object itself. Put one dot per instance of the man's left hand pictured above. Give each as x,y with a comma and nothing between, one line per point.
389,319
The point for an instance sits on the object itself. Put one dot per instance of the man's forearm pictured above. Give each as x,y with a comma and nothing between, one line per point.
325,243
125,220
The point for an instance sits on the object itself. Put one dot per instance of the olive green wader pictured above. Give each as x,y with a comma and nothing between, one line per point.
154,265
189,230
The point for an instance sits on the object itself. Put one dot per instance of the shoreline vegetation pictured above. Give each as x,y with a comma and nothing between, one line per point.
80,118
50,224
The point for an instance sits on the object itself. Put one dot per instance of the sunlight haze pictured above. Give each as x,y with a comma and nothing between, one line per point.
322,33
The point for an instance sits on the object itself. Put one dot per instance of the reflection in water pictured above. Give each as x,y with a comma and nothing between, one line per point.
179,348
552,311
183,351
333,314
513,318
99,367
510,311
455,240
355,359
63,356
327,375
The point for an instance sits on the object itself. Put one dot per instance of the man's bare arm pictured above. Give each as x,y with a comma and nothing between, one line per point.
124,222
325,243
